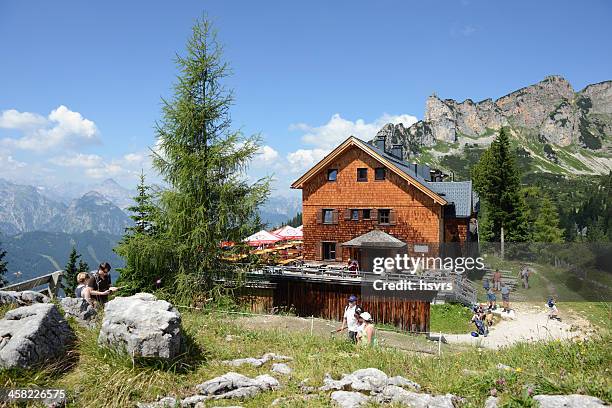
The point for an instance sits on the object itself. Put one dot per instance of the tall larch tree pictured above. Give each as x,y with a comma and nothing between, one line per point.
204,163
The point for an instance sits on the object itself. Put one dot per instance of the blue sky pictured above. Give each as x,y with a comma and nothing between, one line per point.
81,82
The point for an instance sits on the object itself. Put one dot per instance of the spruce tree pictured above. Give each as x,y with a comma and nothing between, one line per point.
204,163
143,209
83,267
71,271
546,225
497,180
3,268
138,276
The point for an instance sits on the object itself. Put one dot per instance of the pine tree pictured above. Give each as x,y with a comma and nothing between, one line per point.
71,271
497,180
3,268
204,163
546,225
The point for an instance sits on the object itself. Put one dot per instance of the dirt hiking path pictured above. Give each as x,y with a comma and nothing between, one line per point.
531,323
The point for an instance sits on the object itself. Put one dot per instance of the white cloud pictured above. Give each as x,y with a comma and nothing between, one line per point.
78,160
303,159
134,157
338,129
61,128
325,137
13,119
9,164
267,155
96,167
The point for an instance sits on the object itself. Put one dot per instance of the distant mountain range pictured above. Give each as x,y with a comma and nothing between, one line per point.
555,129
38,253
72,208
26,209
278,209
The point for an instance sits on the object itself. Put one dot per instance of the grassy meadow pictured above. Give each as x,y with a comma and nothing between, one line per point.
99,377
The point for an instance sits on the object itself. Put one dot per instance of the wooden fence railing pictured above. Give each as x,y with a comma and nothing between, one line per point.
53,282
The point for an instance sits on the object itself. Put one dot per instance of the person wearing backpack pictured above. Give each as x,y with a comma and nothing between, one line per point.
99,284
349,321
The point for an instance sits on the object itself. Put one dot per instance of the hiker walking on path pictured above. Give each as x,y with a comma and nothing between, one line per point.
524,275
349,321
491,298
486,285
367,335
497,280
505,291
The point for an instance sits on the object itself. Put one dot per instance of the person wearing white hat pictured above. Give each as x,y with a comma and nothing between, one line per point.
367,332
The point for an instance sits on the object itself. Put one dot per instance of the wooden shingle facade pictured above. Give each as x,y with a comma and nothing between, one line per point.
359,187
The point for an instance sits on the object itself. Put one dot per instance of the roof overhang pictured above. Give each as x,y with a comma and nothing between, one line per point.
354,142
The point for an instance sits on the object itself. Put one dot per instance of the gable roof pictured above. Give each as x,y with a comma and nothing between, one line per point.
375,239
399,167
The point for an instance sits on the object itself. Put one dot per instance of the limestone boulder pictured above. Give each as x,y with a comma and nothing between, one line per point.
31,335
234,385
568,401
80,310
141,325
23,298
349,399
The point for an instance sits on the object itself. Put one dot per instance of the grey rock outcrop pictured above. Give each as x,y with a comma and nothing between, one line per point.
141,325
234,385
23,298
568,401
257,362
30,335
281,368
349,399
366,379
78,308
398,395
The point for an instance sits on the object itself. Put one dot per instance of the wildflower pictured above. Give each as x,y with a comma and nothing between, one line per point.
501,382
530,391
518,369
493,392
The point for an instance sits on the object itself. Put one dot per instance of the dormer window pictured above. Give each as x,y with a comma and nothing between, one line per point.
362,174
332,174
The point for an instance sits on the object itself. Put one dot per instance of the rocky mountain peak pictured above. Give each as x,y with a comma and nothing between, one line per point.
549,113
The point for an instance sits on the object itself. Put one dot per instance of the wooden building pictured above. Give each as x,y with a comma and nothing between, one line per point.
361,187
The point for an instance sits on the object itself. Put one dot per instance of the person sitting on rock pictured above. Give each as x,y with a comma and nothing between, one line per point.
367,335
82,291
100,284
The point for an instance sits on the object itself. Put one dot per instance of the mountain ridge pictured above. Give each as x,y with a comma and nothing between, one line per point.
562,130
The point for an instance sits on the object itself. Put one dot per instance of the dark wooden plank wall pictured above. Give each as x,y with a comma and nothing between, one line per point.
328,301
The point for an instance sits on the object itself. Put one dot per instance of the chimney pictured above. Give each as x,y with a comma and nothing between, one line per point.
380,142
397,151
